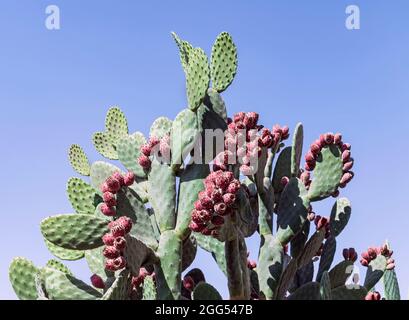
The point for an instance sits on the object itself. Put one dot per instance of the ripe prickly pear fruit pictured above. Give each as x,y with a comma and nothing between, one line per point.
108,211
129,178
97,281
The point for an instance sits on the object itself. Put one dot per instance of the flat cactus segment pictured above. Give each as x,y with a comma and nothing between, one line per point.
296,151
282,169
149,289
162,194
22,273
340,214
104,145
375,271
309,291
62,253
78,160
311,248
57,265
96,263
248,220
304,275
189,249
184,135
328,253
327,173
116,125
298,242
340,273
325,289
191,183
197,78
136,253
286,279
74,231
168,272
100,171
391,286
160,127
215,247
270,266
120,289
223,62
205,291
349,293
292,210
61,286
185,48
130,205
128,149
83,197
215,101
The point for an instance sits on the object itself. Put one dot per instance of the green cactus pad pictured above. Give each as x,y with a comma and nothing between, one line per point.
74,231
136,253
168,275
57,265
162,194
327,173
286,279
96,263
282,169
349,293
311,248
149,288
215,247
142,189
223,62
191,183
205,291
309,291
215,102
83,197
189,250
197,78
248,220
183,136
22,273
255,286
340,273
298,242
325,288
104,145
62,253
292,210
270,265
130,205
207,118
391,286
303,276
61,286
340,214
296,151
160,127
375,271
120,289
128,149
116,125
185,48
78,160
100,171
327,256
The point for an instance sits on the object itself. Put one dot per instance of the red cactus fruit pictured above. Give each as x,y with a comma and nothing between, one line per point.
129,178
153,141
120,243
329,138
315,149
113,185
285,132
284,181
229,198
196,227
251,264
107,211
364,262
375,295
346,177
206,202
204,215
220,208
108,239
346,155
233,187
111,252
104,187
118,176
109,199
337,138
146,150
188,283
144,161
247,170
125,223
97,281
120,263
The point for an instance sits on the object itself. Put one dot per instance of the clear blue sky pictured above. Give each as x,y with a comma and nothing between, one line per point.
297,62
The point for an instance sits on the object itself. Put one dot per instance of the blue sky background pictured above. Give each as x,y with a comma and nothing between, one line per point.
297,62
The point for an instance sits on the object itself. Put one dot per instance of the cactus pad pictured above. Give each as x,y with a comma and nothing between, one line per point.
340,273
160,127
149,289
83,197
296,151
78,160
62,253
185,48
119,290
340,214
197,78
22,273
375,271
57,265
282,168
205,291
96,263
347,293
128,149
116,125
104,145
100,171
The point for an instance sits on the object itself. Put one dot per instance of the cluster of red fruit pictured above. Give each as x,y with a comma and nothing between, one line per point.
373,252
245,138
373,295
215,202
350,254
138,280
115,243
325,140
110,188
161,147
322,223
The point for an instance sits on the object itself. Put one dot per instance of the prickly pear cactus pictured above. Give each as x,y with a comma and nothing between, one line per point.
139,228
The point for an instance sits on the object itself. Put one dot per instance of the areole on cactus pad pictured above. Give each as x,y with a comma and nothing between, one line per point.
209,181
